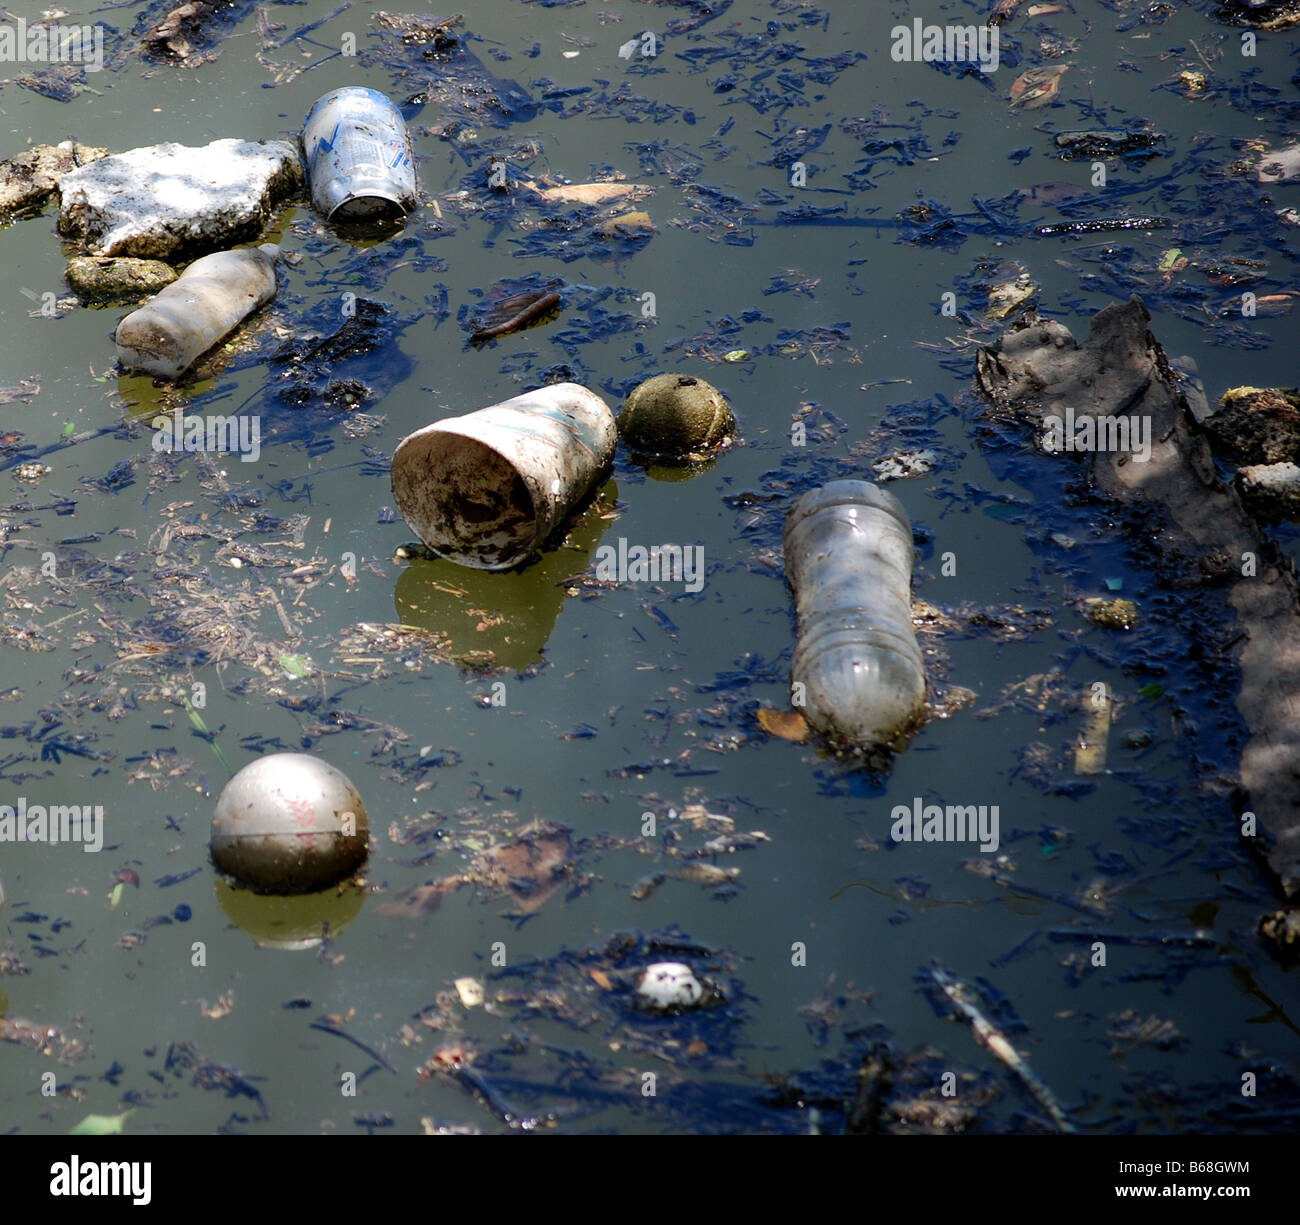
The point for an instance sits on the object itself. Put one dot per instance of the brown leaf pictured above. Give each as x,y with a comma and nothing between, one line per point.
586,193
788,724
420,900
224,1006
528,869
1037,87
601,979
636,224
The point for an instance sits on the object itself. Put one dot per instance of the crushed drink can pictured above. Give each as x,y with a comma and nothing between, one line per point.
358,156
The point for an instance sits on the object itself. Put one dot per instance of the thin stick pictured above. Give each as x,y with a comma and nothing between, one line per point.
988,1035
328,1027
530,312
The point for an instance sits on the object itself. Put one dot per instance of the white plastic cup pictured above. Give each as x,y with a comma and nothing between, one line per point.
487,489
848,557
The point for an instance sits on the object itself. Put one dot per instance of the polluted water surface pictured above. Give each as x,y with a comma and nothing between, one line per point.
591,697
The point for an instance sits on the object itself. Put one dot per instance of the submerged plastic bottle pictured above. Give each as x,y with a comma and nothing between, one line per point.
206,302
848,557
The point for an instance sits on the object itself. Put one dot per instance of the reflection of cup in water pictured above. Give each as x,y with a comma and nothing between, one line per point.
487,489
511,614
300,921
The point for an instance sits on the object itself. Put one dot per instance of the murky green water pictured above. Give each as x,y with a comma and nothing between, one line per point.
662,703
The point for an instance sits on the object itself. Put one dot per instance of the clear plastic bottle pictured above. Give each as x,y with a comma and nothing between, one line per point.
205,303
848,558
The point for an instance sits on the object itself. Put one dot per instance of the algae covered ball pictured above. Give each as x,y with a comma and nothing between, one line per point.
289,823
675,416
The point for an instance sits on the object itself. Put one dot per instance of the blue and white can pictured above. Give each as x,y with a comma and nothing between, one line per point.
358,155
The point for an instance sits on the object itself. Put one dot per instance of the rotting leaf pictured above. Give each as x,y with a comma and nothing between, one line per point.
1037,87
787,724
25,390
633,225
296,665
528,869
586,193
224,1006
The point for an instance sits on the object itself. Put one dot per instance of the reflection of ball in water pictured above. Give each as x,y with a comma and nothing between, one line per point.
289,823
302,921
668,984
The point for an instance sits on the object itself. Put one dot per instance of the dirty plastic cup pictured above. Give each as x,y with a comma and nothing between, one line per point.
358,155
848,557
205,303
488,488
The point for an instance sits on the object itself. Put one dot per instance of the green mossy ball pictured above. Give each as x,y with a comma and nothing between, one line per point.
675,416
289,823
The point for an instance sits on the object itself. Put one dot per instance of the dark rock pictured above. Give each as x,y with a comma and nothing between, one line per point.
1257,425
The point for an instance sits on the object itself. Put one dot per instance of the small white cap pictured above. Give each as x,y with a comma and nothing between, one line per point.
668,984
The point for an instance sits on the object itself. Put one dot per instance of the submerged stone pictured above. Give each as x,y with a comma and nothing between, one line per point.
29,178
110,279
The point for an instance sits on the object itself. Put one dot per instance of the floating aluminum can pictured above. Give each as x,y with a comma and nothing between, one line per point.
358,155
488,488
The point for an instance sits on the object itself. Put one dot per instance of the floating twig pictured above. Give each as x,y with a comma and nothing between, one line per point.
1098,227
534,310
988,1035
1189,940
327,1026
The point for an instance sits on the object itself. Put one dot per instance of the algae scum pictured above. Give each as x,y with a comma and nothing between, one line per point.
569,778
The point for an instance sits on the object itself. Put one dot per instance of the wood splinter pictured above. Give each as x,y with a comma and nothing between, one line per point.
535,309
